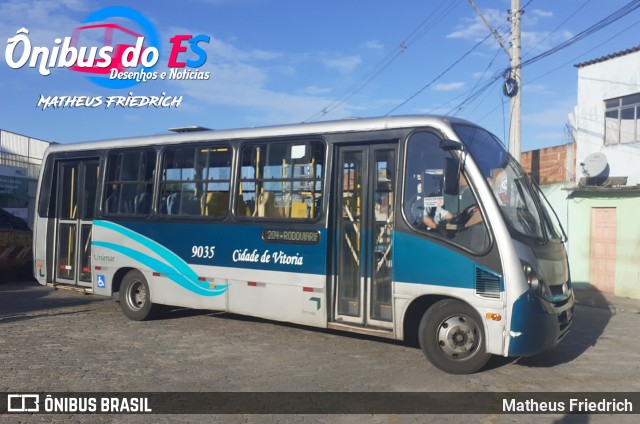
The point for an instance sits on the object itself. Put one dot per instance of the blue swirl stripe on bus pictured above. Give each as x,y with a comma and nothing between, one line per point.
176,269
198,287
181,266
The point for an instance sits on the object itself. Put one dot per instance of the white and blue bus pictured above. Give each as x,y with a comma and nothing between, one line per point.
413,228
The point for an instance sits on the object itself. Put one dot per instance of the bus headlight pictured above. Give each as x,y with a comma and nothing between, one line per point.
535,282
532,277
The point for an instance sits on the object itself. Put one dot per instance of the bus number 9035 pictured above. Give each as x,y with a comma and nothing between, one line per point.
203,252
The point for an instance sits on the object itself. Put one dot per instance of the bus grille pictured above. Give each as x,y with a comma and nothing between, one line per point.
487,284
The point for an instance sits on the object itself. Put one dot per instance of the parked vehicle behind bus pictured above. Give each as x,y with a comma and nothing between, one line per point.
15,247
321,224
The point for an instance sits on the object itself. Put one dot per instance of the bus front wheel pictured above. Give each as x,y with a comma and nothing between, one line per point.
452,337
135,298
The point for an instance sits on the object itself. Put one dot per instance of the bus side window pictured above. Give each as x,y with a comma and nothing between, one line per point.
129,183
281,180
195,181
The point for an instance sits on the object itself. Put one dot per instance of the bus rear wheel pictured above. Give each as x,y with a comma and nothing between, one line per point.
452,337
135,298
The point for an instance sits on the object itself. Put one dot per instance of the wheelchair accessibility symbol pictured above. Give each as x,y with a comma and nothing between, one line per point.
102,282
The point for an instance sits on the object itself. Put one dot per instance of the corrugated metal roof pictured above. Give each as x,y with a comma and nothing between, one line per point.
607,57
22,145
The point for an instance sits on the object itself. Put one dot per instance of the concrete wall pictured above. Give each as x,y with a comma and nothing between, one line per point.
627,204
597,82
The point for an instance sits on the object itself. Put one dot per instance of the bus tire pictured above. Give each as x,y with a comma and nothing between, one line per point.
135,297
452,337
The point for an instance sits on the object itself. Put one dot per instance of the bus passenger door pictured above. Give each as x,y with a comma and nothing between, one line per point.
75,208
364,218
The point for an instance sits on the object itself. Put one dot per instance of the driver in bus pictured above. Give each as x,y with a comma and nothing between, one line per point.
435,215
464,205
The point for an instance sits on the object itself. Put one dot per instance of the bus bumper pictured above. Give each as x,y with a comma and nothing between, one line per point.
537,324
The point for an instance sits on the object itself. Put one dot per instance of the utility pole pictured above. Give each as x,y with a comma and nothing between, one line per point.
515,131
513,79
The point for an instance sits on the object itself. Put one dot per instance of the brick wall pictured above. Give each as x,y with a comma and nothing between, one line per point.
550,165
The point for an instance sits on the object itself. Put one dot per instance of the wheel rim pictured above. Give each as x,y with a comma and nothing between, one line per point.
136,295
458,337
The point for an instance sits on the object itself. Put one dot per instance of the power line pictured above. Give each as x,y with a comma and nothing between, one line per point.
475,94
440,75
585,53
481,100
589,31
615,16
477,82
525,6
456,109
575,12
445,8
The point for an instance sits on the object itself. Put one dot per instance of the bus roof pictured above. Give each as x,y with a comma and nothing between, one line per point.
324,127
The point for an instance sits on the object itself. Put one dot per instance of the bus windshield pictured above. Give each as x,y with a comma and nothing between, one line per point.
519,203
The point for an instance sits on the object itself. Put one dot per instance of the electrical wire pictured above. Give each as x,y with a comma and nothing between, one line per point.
423,28
591,30
615,16
585,53
482,77
430,83
599,25
476,94
574,13
472,89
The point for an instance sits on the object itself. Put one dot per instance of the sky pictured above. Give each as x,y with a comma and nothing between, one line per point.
275,62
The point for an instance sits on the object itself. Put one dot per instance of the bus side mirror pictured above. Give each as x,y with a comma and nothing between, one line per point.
451,176
449,145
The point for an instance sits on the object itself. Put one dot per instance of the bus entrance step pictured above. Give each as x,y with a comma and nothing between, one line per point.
72,288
